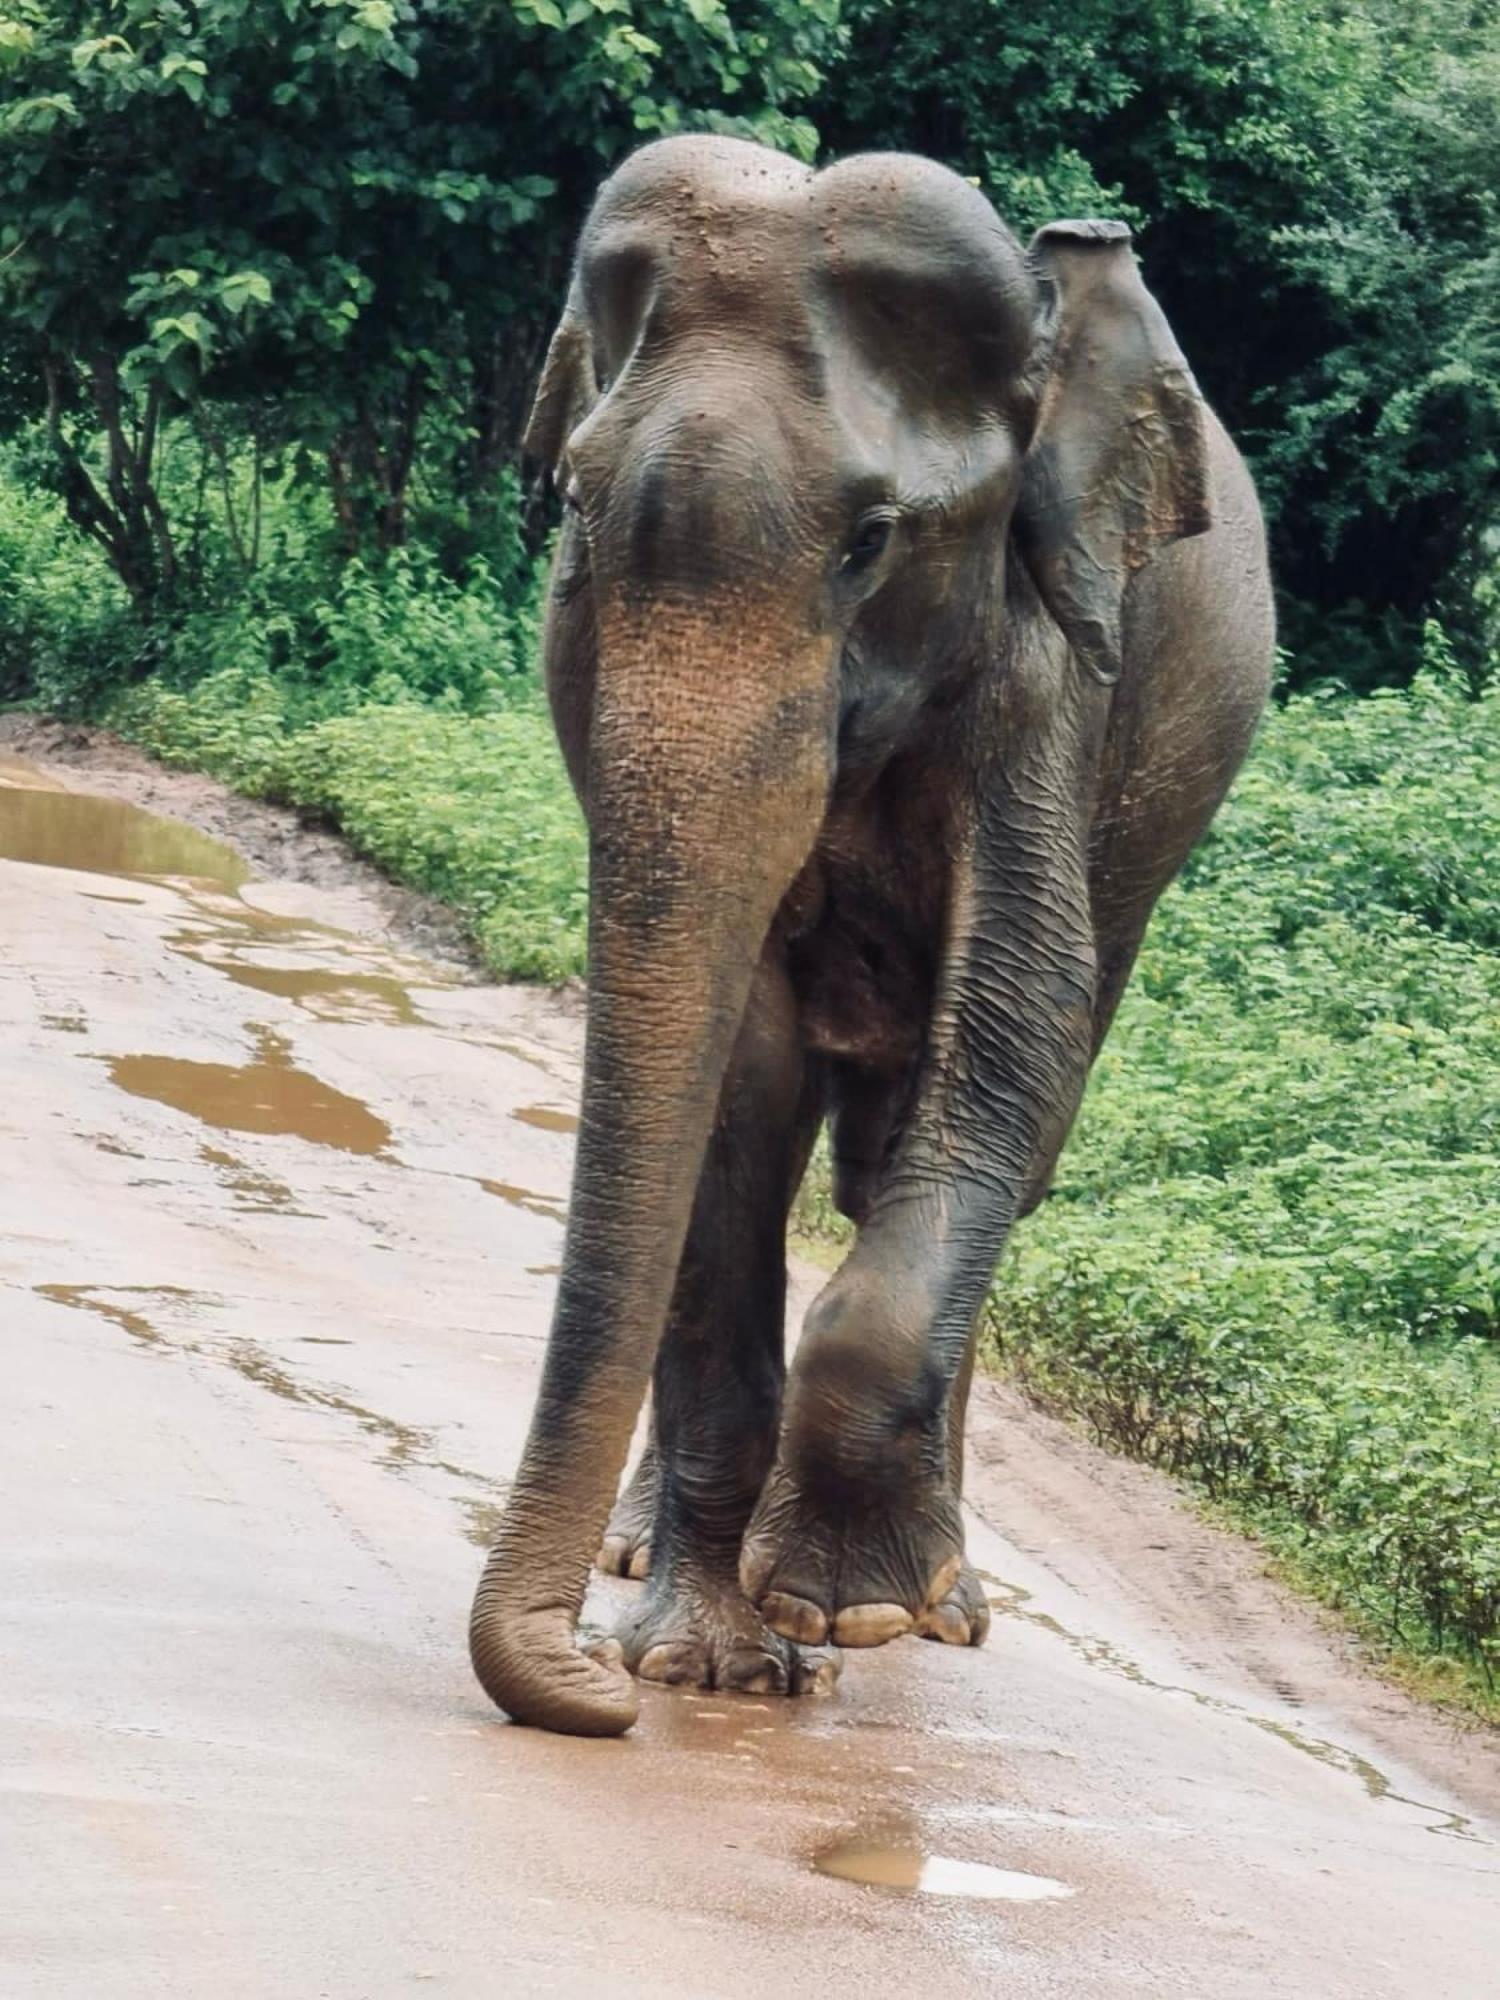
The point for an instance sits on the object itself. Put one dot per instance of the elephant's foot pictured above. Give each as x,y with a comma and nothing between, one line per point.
855,1570
626,1548
693,1629
962,1616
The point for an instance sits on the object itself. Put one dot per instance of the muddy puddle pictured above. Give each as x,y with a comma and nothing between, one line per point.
56,829
543,1118
527,1198
269,1095
371,999
235,938
912,1870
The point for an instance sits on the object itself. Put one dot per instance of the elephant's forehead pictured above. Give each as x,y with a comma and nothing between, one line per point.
728,204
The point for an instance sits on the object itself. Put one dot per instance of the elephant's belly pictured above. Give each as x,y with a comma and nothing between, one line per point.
864,987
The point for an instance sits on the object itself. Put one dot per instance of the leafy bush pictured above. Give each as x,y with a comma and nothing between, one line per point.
65,638
1271,1260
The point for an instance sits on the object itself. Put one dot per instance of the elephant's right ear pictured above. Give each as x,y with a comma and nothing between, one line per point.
1118,464
567,391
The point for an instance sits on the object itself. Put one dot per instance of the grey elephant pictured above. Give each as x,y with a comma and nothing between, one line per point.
910,619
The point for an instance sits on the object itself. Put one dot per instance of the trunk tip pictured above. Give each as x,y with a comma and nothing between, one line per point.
530,1665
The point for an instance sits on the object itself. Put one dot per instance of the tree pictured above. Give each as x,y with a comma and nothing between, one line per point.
339,225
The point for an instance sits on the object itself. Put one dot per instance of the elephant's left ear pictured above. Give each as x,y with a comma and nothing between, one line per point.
1119,459
567,391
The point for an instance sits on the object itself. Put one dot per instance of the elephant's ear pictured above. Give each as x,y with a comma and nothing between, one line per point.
567,391
1119,459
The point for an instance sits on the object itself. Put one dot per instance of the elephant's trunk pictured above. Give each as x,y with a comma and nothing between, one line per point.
709,763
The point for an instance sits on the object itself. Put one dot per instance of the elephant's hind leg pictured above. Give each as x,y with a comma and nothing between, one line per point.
718,1382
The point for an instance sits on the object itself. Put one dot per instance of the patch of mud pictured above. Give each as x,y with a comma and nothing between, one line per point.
276,842
236,938
543,1118
527,1198
268,1095
87,1298
254,1192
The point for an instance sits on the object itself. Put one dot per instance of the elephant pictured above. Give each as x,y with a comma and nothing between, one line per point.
909,620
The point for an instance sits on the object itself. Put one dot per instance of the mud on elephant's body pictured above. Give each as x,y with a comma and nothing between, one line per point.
910,621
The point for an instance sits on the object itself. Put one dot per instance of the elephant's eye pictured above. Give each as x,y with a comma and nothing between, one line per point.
572,499
867,544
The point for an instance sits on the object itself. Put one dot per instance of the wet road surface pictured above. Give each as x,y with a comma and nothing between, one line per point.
282,1214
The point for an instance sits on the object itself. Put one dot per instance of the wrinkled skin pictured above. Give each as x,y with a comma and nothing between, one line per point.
910,621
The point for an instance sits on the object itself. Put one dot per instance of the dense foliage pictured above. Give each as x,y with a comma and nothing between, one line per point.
328,237
329,229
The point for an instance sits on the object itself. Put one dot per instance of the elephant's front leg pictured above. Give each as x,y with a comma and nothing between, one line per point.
718,1380
858,1535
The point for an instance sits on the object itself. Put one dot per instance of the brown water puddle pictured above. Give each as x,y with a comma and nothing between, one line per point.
544,1119
914,1871
56,829
226,934
269,1095
1016,1603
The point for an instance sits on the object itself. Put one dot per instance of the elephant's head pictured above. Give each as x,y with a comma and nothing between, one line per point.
795,418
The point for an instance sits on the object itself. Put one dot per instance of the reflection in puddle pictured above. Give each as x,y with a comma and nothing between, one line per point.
268,1095
519,1197
107,837
228,935
371,999
545,1119
914,1872
1016,1603
482,1520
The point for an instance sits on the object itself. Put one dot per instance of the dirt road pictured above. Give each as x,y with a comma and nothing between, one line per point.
282,1210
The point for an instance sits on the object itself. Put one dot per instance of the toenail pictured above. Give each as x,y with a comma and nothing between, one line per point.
794,1618
945,1579
870,1624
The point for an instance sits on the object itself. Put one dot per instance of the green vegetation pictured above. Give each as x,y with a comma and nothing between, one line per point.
1271,1260
274,284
